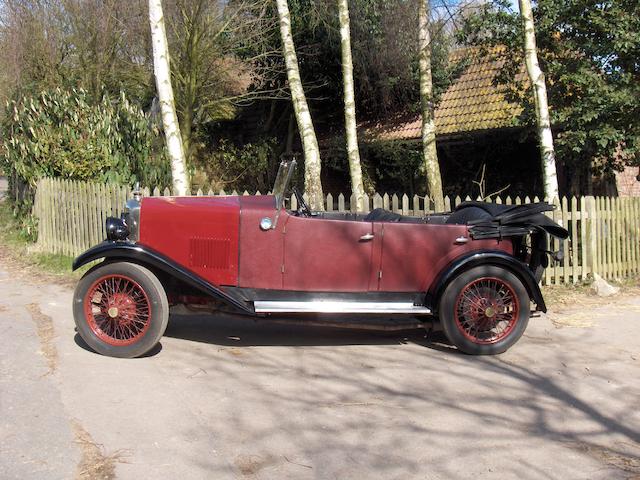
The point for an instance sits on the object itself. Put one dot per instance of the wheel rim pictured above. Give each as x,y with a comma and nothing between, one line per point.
487,310
117,310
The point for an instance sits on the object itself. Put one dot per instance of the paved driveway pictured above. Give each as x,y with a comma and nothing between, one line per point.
226,398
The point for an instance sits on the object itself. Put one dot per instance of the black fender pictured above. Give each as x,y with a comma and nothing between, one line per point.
501,259
144,255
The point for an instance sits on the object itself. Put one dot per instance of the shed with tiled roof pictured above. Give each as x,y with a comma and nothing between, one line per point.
477,127
472,103
477,130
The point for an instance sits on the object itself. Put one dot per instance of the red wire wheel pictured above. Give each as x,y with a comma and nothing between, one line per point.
117,310
120,309
486,310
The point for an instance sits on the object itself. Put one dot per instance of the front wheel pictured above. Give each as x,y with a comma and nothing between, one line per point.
485,310
120,309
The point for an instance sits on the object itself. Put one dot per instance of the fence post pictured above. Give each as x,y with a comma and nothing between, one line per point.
583,239
567,244
37,207
416,206
574,240
635,236
557,217
377,201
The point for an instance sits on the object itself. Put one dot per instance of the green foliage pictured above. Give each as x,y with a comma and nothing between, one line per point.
398,166
62,134
15,227
251,167
589,52
19,244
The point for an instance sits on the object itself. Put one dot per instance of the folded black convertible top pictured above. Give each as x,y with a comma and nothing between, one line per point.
490,220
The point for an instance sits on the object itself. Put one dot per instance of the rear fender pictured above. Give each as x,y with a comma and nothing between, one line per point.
501,259
143,255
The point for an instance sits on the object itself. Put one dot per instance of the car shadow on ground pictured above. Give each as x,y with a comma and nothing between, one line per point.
82,344
239,331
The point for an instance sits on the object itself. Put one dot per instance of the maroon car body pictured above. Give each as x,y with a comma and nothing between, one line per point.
476,274
219,238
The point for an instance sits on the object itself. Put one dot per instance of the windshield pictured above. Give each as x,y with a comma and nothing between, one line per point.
282,180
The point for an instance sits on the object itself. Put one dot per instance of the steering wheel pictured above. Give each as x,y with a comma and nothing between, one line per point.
303,208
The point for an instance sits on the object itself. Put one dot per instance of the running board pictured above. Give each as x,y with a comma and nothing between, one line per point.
328,306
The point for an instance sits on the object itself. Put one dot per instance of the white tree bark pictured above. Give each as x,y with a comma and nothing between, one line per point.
536,76
312,182
431,165
353,153
162,74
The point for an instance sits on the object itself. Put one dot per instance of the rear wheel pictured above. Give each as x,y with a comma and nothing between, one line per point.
485,310
120,309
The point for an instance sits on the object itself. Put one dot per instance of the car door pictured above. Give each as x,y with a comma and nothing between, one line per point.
328,255
413,254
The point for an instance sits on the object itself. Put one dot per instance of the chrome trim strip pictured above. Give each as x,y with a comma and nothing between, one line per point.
330,306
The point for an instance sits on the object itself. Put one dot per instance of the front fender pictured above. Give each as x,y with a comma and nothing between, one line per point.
144,255
501,259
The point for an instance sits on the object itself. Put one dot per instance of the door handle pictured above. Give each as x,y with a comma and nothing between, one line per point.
366,237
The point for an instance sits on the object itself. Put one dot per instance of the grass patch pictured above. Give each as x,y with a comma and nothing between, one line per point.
12,233
14,236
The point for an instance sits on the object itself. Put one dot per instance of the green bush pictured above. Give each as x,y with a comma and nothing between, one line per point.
249,167
62,133
398,166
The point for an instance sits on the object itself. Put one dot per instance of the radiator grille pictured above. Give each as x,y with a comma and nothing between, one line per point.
209,253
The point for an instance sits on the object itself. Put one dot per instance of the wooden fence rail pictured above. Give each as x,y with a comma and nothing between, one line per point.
604,232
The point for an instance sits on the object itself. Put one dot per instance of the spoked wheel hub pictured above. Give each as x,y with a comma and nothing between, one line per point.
486,310
117,310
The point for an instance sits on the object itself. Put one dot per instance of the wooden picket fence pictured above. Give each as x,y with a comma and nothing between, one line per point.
604,231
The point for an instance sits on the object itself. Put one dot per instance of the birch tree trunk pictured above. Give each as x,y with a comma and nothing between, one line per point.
536,77
162,74
312,183
431,165
353,153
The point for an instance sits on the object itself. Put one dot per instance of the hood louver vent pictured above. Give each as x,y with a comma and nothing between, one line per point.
210,253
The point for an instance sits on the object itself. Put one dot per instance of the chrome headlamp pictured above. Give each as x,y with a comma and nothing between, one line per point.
116,229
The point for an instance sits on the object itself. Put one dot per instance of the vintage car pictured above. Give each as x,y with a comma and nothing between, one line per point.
475,269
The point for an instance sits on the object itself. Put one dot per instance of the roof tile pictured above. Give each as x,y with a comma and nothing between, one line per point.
471,103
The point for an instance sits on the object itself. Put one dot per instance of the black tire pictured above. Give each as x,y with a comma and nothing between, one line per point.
127,313
484,310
